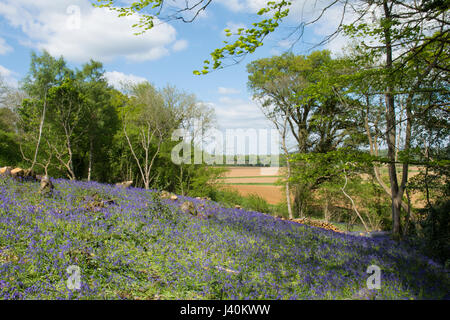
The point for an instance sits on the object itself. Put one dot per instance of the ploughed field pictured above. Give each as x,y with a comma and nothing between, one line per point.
255,180
262,181
131,244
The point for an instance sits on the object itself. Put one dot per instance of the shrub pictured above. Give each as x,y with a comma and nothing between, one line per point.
436,231
257,203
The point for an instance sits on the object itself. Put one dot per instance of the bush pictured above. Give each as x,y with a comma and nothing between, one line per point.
257,203
436,231
230,198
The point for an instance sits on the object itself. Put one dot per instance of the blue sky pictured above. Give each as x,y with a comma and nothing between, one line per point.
166,55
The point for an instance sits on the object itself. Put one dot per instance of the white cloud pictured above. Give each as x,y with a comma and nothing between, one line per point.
223,90
5,72
233,5
118,79
233,114
302,11
4,47
8,76
238,113
298,10
180,45
243,6
76,30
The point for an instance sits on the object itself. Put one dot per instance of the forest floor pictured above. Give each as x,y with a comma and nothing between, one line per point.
131,244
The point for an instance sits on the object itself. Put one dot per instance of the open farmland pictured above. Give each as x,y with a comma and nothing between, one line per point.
262,181
140,246
256,180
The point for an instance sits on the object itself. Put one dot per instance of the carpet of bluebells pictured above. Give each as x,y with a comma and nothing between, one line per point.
139,246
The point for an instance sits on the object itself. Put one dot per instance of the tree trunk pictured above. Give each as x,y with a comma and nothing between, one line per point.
70,163
41,125
373,144
181,179
299,201
288,191
325,211
391,127
288,201
90,159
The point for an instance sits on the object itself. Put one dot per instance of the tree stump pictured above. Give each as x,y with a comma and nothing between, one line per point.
46,187
189,207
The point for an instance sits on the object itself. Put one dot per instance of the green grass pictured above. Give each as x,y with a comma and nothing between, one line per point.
343,226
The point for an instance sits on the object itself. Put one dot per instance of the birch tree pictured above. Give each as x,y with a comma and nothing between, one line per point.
68,108
45,72
146,124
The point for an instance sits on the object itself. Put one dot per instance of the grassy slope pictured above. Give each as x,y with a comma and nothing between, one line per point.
143,248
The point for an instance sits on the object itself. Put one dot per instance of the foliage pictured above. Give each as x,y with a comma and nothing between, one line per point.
433,182
436,231
9,149
74,124
304,93
247,39
203,180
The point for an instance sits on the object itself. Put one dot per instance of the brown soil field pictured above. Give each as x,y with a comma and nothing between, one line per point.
275,194
261,179
272,194
251,171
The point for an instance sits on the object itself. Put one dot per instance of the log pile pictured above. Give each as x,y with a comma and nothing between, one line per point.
316,223
203,198
168,195
6,171
18,172
45,185
124,184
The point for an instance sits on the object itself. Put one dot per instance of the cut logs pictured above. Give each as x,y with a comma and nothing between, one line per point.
317,224
203,198
18,172
6,171
165,194
168,195
125,184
